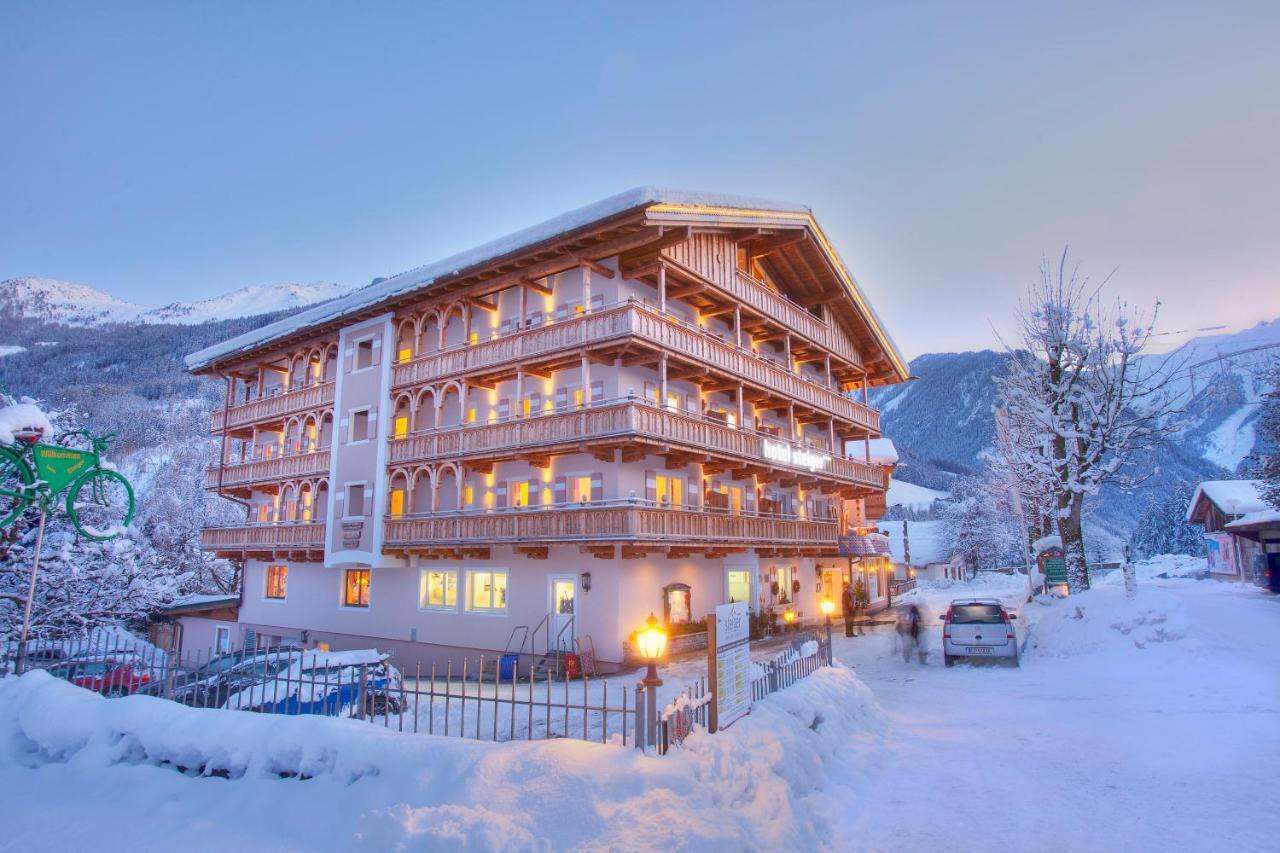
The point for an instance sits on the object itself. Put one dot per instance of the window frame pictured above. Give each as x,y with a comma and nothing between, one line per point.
343,597
268,586
356,346
470,592
367,411
424,604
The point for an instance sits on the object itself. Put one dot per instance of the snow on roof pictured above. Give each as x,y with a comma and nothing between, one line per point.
202,599
1234,497
1044,543
883,451
928,541
1255,519
424,276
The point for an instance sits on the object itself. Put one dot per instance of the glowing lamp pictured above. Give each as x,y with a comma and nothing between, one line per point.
651,643
789,616
828,607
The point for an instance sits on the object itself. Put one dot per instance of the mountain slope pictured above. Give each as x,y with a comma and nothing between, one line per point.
49,300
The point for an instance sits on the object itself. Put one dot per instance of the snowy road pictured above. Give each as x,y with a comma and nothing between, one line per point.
1094,744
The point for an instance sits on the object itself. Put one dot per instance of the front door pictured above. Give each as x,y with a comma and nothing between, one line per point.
562,610
833,584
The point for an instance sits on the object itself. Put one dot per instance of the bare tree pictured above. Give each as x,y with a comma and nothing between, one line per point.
1078,398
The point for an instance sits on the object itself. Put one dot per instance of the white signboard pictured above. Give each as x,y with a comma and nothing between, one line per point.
776,451
733,663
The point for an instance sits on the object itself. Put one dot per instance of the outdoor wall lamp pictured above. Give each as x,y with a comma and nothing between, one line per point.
585,578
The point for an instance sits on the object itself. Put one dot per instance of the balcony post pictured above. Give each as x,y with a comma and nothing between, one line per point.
786,346
586,370
831,431
826,365
662,288
742,406
737,325
662,379
586,289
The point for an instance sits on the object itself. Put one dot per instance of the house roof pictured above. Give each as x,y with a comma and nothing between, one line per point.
201,601
1255,521
1231,497
928,541
671,204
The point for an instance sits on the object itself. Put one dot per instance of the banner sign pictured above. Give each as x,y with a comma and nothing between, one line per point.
732,662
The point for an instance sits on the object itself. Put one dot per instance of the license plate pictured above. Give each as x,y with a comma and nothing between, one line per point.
977,650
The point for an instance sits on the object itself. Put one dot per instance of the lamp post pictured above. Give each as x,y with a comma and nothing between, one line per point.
652,643
789,616
828,607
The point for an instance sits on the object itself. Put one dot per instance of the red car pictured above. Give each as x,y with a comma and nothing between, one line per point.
108,677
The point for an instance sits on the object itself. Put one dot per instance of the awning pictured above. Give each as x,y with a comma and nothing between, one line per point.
868,545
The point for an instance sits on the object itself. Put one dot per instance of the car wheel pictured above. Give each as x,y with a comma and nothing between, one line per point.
948,660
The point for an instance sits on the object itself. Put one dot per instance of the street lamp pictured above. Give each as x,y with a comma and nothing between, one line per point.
789,617
651,643
828,607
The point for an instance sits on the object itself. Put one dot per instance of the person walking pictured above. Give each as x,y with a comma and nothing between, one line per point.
911,631
848,607
860,602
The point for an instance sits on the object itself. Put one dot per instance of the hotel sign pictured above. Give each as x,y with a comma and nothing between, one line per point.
777,451
729,663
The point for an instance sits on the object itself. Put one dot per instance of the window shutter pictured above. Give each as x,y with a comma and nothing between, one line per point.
562,399
597,301
562,310
532,486
347,357
535,404
561,490
597,486
367,509
651,393
504,408
500,496
373,421
377,351
535,319
650,486
597,391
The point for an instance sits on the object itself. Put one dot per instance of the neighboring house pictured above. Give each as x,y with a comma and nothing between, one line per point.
640,406
198,625
1240,528
921,549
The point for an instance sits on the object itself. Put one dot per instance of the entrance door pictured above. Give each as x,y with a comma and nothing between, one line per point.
833,585
735,500
562,610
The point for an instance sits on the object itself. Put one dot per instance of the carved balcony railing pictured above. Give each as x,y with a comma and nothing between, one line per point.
268,470
623,420
634,320
265,537
609,521
272,408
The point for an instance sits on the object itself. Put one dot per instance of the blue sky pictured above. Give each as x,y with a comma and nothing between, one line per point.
175,151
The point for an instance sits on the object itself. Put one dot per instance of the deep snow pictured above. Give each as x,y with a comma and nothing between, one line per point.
1149,725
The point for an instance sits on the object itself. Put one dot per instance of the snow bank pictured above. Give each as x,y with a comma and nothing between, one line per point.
934,596
23,417
759,784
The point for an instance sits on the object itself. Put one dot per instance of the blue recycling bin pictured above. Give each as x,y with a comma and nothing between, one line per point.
508,667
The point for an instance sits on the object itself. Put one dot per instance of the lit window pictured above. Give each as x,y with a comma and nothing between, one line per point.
739,586
468,495
306,505
356,588
406,352
264,513
401,427
669,490
487,592
311,436
471,415
475,338
438,589
277,580
519,491
397,503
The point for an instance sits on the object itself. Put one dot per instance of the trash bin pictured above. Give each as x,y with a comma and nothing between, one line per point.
508,667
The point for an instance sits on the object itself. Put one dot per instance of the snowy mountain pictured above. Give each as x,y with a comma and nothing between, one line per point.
943,421
52,301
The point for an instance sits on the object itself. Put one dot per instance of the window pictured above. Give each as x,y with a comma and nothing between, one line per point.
264,513
468,496
355,500
663,489
401,425
364,354
487,592
439,590
277,580
739,586
306,506
784,575
355,588
397,503
519,492
359,430
406,352
222,639
677,601
580,488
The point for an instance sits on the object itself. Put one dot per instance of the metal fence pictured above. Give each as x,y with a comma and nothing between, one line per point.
486,702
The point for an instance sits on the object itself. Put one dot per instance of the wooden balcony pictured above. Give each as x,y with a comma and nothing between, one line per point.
609,523
634,320
236,475
263,538
766,302
617,422
274,408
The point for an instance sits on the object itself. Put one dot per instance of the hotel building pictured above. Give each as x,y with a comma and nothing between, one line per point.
657,403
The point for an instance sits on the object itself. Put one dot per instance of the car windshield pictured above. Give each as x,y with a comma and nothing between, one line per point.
970,614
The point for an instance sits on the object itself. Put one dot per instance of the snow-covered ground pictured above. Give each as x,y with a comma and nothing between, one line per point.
1138,726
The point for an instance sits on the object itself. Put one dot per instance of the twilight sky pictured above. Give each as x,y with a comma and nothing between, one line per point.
174,151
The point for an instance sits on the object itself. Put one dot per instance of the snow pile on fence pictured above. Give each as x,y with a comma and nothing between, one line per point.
321,783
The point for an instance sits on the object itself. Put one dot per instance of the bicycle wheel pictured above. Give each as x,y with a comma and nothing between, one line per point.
15,478
100,505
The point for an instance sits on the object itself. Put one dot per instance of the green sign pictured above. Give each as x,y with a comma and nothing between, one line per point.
1055,570
58,466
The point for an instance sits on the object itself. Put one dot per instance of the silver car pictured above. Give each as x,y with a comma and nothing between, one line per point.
978,628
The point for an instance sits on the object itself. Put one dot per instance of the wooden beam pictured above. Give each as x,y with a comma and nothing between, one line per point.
483,304
536,285
596,267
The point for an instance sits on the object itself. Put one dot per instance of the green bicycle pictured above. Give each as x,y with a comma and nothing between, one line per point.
100,500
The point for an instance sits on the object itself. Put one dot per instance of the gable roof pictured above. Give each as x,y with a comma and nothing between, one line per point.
670,202
1231,497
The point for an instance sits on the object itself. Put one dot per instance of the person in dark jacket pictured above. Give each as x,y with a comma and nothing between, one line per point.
911,633
849,607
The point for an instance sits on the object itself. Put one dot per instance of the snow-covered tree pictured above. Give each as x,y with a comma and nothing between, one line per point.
1267,429
1163,528
1082,402
981,524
